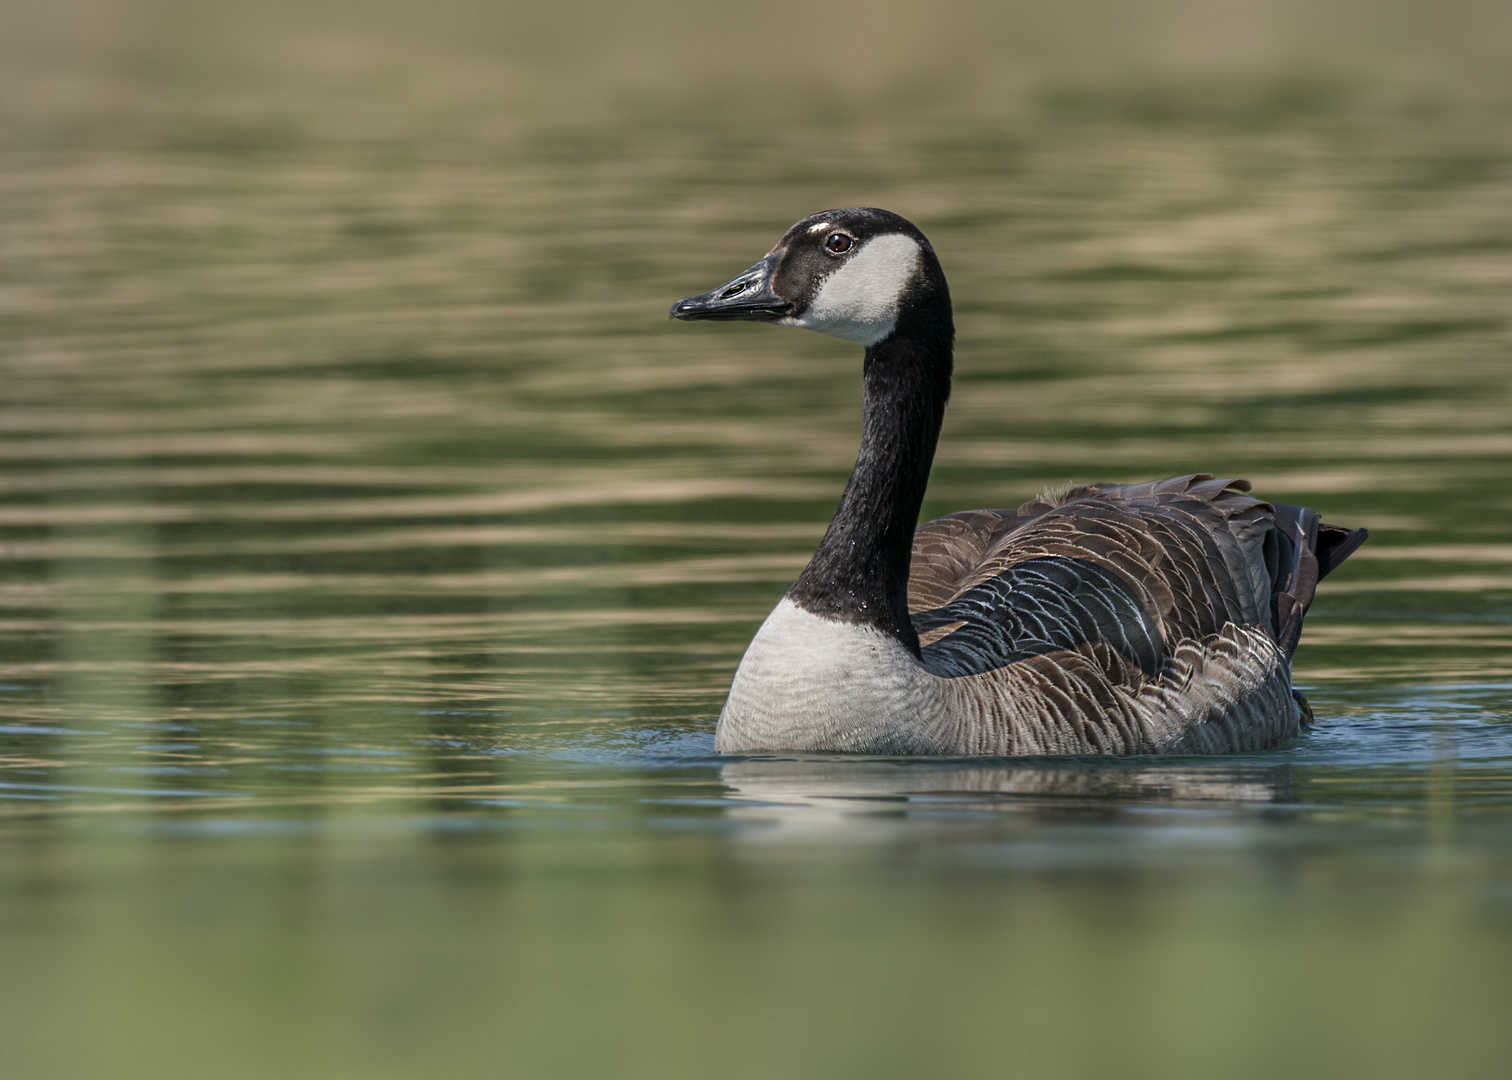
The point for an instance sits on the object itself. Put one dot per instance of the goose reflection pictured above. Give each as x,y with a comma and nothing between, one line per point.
1050,788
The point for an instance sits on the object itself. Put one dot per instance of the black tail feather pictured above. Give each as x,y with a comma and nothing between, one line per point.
1300,553
1335,544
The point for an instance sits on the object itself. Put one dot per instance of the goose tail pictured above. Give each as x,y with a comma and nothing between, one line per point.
1302,551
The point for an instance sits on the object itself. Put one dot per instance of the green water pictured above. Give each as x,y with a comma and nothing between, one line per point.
374,557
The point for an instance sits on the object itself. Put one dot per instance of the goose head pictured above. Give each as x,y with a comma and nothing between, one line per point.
861,274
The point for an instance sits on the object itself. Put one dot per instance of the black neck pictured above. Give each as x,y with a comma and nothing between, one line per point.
860,572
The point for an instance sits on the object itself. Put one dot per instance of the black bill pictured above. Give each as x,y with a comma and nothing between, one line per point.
747,296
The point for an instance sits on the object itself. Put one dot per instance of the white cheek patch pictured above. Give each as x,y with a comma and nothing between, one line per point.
859,301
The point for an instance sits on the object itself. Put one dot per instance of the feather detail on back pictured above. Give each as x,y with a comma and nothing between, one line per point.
1110,594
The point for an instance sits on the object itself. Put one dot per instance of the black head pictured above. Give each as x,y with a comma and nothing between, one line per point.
857,274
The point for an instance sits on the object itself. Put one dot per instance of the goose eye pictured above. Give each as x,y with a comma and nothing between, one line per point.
838,243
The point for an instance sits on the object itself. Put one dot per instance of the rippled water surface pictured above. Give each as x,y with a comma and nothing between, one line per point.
374,557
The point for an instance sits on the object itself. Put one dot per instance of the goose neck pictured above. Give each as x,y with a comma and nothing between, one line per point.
860,572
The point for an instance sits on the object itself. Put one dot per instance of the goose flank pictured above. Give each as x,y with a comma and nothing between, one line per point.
1155,618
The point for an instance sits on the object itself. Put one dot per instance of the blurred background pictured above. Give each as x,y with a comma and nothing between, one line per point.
374,554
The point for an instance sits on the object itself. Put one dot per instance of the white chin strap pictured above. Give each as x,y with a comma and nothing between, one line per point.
859,301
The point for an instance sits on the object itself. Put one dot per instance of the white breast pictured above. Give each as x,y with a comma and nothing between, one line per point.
807,683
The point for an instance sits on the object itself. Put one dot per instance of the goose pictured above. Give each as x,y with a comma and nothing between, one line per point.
1151,618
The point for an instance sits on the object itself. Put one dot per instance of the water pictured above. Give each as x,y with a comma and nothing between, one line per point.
376,557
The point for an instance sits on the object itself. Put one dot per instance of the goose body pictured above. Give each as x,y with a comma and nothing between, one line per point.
1112,619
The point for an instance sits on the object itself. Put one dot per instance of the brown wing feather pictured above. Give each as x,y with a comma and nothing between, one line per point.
947,550
1188,555
1134,618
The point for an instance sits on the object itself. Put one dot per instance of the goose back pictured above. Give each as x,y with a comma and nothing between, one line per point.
1103,613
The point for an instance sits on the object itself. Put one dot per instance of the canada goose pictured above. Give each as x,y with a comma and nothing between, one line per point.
1154,618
